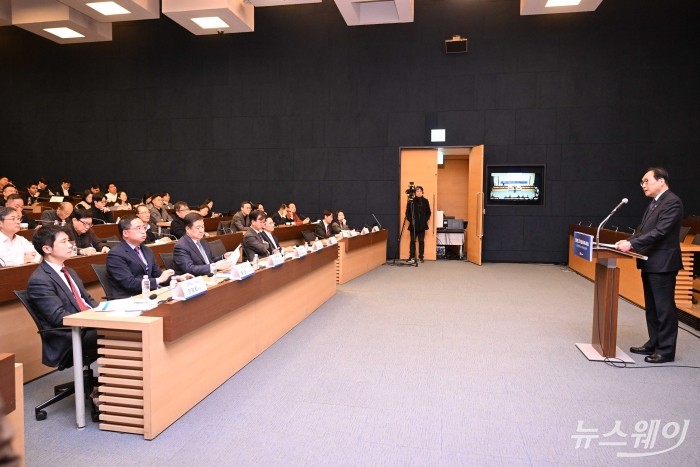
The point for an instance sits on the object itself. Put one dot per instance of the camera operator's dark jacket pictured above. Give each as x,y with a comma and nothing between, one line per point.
421,209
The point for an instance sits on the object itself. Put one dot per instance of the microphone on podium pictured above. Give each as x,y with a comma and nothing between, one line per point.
597,234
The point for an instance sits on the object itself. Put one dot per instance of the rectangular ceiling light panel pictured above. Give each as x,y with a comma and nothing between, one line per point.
238,15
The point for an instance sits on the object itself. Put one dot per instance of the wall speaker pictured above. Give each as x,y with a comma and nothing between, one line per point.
456,45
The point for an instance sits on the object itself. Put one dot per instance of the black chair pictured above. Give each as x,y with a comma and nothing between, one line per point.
66,389
168,260
217,248
101,273
224,228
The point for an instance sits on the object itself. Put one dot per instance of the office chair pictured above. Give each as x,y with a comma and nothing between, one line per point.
101,273
168,260
66,389
224,228
217,248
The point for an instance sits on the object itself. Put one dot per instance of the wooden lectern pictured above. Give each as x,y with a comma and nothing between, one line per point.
606,296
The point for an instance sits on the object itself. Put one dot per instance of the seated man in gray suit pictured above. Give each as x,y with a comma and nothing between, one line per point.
58,216
240,220
253,241
57,291
192,253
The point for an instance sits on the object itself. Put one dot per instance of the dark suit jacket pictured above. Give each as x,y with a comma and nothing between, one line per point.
278,219
125,270
320,230
252,245
177,227
106,217
86,240
53,300
658,236
267,236
188,259
49,216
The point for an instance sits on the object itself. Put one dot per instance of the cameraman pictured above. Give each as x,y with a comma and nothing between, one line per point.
418,214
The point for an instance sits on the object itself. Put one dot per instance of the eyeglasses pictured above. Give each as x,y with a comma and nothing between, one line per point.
140,228
644,182
13,219
88,225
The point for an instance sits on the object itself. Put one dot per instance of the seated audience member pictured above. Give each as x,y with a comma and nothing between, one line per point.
177,226
193,255
122,203
63,189
259,207
146,200
241,219
158,212
143,213
32,195
99,210
79,230
56,291
166,201
15,250
130,260
43,189
4,181
210,202
253,241
95,188
7,190
204,211
17,203
280,216
58,216
341,222
111,194
86,202
294,217
269,237
326,228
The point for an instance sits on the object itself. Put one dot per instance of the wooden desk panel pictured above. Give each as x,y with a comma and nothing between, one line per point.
16,417
206,356
358,255
7,381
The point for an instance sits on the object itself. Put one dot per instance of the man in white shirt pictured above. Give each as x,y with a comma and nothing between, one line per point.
111,194
268,229
15,250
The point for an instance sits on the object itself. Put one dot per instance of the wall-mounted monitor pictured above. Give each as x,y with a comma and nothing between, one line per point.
515,185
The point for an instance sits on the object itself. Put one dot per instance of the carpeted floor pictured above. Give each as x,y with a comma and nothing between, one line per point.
444,364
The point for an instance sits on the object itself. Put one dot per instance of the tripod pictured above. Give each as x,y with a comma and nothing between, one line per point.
403,228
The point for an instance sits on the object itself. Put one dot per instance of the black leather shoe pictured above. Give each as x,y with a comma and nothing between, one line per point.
656,358
642,350
421,260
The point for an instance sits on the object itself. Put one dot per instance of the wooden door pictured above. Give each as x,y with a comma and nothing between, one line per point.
475,214
419,166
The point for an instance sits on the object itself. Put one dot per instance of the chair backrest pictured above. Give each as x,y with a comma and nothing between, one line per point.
101,273
66,360
696,240
217,248
224,227
168,260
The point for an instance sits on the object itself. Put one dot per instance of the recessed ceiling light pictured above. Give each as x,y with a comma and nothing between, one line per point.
555,3
210,22
64,33
108,8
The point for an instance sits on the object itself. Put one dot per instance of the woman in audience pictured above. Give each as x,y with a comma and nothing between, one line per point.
341,221
210,203
86,203
146,200
122,203
204,210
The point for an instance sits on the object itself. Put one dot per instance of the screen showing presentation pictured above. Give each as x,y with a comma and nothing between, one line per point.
515,185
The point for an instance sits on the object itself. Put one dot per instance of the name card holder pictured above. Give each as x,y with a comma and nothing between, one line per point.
300,251
274,260
375,228
332,241
347,233
317,245
241,271
365,231
189,288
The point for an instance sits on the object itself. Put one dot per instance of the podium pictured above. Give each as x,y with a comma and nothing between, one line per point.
603,344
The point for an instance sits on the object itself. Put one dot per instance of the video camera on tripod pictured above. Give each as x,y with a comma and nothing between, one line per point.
411,190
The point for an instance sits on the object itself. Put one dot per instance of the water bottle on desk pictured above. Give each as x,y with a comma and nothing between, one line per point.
145,286
256,264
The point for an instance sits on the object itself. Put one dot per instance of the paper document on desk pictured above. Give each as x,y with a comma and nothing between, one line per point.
127,305
235,255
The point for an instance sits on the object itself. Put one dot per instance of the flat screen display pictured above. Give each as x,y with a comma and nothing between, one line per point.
515,185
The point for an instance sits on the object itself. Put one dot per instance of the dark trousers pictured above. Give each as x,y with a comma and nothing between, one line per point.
421,243
660,306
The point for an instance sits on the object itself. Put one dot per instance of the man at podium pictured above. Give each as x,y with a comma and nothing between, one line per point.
658,238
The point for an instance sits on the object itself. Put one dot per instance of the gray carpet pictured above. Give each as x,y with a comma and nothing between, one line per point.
445,364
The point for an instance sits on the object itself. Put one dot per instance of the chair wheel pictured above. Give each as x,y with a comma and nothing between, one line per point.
40,414
96,416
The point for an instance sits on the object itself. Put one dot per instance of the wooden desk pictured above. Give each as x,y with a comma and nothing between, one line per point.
12,393
18,331
101,231
631,278
155,367
291,235
358,255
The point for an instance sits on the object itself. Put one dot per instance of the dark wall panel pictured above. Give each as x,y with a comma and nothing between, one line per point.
311,110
